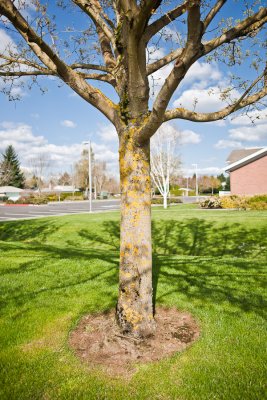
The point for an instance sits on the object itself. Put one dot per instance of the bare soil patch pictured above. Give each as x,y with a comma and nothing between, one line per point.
97,341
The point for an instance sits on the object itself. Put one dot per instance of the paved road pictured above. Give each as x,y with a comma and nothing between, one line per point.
11,212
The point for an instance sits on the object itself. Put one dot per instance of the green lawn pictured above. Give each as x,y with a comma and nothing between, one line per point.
211,263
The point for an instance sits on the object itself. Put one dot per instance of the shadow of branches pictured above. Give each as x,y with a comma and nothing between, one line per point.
209,262
203,260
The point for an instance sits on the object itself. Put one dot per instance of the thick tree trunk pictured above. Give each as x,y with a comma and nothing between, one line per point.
135,308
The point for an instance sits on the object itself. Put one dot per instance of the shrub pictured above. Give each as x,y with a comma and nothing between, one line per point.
258,202
3,199
212,202
32,199
9,201
172,200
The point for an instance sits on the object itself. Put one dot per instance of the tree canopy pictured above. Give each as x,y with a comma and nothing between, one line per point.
116,43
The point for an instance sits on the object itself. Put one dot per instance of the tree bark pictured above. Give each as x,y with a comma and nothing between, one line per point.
135,308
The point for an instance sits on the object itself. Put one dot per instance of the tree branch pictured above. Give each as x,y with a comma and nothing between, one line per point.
25,73
51,60
167,18
90,66
245,27
213,12
192,51
151,68
106,36
242,102
13,60
93,9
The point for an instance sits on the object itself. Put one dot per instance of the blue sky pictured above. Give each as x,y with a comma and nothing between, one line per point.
57,122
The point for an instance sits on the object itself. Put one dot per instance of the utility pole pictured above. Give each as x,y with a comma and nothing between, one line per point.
89,174
195,165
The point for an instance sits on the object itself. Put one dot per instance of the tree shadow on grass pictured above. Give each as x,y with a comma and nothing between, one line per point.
208,262
59,266
203,261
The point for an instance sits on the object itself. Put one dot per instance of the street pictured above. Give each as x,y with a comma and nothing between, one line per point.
14,212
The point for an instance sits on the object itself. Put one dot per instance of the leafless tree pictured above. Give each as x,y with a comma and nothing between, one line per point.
165,162
39,165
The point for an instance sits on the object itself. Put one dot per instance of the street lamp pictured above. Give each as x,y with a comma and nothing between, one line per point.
195,165
89,174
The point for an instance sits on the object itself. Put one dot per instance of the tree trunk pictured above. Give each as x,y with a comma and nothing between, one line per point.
134,307
165,200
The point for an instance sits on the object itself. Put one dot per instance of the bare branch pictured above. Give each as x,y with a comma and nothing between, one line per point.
163,61
242,102
213,12
194,26
53,63
25,73
14,61
248,25
167,18
90,66
93,9
105,34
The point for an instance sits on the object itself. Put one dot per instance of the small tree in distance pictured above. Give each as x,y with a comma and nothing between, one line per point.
164,161
109,42
10,172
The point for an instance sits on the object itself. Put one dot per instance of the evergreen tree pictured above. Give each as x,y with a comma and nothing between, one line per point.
10,173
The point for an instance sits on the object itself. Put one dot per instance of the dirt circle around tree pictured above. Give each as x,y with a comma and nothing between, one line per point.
98,342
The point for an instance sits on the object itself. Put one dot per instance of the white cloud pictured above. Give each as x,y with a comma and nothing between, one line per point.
154,53
202,74
108,133
68,123
224,144
201,100
249,133
181,137
29,146
6,42
188,137
157,79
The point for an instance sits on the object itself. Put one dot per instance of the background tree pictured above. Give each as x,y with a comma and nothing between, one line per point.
10,172
110,45
164,161
208,183
39,166
64,179
81,170
99,176
224,179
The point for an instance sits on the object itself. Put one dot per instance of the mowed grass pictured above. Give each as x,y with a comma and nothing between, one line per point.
210,263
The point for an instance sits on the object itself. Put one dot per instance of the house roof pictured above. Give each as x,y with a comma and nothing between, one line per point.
10,189
258,153
237,155
60,188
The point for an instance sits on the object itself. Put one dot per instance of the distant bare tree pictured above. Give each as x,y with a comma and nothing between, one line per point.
164,160
39,165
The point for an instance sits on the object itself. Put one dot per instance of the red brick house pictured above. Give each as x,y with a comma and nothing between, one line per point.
248,171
